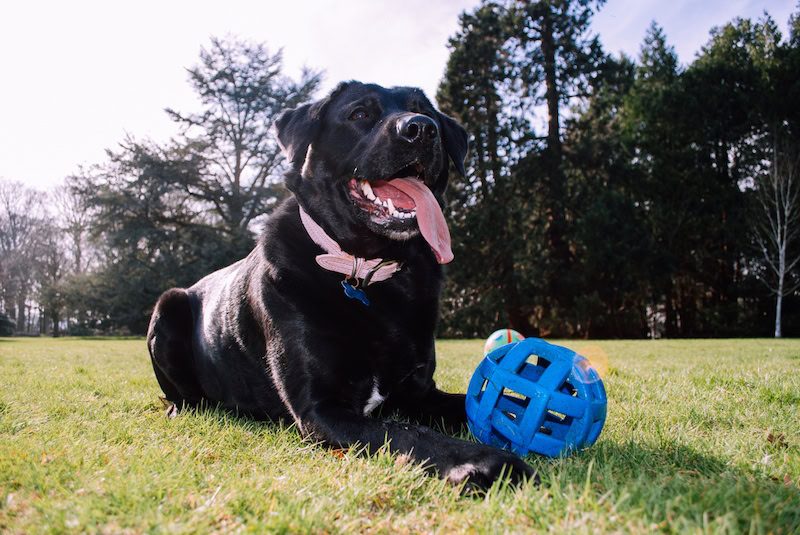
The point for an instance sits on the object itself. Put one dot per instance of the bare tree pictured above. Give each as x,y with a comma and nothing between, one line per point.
20,217
74,219
51,265
778,229
70,259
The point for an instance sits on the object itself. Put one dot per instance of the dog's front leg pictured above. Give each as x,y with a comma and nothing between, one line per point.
429,406
453,459
418,399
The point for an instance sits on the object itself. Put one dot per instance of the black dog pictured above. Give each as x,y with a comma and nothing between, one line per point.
302,331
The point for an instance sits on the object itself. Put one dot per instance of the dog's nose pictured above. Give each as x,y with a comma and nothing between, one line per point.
416,128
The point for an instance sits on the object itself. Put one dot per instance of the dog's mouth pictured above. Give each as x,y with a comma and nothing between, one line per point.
401,205
383,202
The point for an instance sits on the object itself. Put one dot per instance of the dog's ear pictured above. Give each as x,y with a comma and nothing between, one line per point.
296,130
455,141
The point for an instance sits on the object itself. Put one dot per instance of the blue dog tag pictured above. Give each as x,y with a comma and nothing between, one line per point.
354,293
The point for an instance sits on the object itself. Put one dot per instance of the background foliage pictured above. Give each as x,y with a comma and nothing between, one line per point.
632,211
605,196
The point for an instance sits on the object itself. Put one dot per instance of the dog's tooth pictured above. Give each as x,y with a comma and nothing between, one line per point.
390,206
367,189
377,200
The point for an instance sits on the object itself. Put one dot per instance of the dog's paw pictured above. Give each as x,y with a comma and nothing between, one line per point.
170,409
484,469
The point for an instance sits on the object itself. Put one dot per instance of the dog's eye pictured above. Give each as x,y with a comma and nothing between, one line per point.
358,115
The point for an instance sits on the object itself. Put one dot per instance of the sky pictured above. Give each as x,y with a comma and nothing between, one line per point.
79,76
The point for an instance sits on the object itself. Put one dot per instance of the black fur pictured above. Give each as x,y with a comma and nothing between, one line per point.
274,336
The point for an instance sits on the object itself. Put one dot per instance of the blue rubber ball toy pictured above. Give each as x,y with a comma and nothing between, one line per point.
533,396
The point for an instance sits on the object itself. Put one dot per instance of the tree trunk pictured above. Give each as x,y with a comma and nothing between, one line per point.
779,304
553,159
515,313
78,255
21,312
11,309
670,315
688,314
516,319
551,87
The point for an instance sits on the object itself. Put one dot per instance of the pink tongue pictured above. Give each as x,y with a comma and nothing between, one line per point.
429,217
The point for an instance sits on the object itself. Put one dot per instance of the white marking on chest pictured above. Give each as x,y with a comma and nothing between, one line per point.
375,398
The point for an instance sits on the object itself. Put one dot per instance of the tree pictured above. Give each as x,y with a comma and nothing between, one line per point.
722,126
559,57
20,218
748,77
612,247
778,188
74,220
510,212
483,204
778,231
242,90
149,233
166,215
51,267
672,194
7,325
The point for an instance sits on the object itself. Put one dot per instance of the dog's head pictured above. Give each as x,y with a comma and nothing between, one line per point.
370,164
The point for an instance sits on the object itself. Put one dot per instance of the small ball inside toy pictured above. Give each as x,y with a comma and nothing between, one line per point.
500,338
533,396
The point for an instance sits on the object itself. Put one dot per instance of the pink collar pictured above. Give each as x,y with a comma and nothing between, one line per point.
369,271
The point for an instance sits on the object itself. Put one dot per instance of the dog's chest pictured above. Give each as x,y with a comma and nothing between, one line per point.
375,398
386,382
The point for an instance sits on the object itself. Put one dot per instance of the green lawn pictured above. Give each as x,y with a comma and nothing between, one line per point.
702,436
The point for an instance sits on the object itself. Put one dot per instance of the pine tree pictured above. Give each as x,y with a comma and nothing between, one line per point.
485,206
507,59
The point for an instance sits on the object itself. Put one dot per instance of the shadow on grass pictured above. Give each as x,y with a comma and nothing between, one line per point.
215,411
676,481
640,458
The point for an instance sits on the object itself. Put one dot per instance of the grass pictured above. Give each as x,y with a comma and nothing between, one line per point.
702,437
